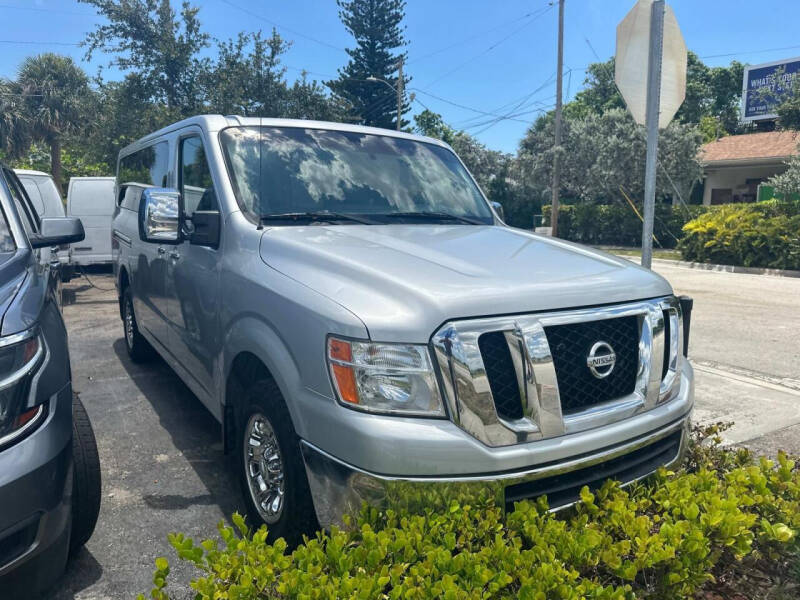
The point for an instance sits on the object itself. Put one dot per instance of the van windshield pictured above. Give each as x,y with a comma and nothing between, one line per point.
366,178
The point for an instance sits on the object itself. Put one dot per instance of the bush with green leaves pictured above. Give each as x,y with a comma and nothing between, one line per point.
671,536
618,225
764,234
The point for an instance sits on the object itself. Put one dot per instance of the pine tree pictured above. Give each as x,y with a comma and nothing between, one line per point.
376,27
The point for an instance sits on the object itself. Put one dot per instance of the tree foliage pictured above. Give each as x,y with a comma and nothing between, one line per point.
710,92
788,183
604,154
150,39
55,101
376,27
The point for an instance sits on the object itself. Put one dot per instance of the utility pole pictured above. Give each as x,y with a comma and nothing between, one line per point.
651,123
557,147
399,92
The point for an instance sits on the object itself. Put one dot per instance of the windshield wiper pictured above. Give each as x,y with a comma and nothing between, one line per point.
438,216
319,215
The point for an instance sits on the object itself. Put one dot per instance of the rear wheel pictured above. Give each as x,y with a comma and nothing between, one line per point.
271,470
86,487
139,349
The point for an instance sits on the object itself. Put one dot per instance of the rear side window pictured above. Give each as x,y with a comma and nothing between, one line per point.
33,193
91,197
144,168
7,243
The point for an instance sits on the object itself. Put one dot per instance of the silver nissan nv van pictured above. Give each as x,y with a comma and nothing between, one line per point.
354,312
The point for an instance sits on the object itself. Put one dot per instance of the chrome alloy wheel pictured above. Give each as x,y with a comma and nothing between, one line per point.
128,322
264,468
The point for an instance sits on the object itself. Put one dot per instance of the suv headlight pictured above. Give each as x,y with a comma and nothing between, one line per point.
17,360
384,378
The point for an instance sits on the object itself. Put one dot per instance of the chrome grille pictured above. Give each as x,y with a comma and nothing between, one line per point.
501,374
570,345
477,369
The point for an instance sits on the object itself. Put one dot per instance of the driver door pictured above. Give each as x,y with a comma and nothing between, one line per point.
193,271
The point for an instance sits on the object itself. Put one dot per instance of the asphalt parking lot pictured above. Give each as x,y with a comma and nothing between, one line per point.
162,461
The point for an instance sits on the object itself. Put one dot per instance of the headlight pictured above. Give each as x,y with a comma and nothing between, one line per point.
17,360
384,378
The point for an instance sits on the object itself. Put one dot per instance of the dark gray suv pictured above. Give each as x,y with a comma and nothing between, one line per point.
49,468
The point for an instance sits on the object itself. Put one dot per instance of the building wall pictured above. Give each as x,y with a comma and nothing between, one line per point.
735,178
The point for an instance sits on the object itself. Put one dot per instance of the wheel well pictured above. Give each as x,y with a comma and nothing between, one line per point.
245,369
123,283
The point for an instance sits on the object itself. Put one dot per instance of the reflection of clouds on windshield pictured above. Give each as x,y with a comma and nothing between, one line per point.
310,169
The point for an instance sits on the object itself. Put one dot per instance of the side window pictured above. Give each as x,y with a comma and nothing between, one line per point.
33,193
7,243
196,187
148,167
30,221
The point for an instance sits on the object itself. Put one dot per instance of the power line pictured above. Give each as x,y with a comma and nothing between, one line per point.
48,10
279,26
29,42
750,52
471,37
490,48
458,105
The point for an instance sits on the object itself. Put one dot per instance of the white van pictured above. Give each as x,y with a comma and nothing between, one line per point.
42,191
47,202
92,200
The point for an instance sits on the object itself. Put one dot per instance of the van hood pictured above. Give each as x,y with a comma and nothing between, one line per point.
404,281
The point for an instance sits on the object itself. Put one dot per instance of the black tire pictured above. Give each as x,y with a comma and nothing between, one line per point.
86,486
297,517
139,349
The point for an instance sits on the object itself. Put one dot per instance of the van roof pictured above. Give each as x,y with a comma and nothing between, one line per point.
214,123
31,172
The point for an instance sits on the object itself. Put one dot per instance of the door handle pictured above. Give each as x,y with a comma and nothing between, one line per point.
175,255
162,251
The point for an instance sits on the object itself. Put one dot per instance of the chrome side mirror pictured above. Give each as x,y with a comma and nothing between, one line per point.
160,215
498,208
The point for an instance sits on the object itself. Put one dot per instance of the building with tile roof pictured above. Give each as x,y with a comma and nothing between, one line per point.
735,165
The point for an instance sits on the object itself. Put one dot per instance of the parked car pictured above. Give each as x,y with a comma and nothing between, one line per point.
49,468
46,200
346,302
91,199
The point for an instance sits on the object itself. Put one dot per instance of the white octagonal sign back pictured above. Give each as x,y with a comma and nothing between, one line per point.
631,63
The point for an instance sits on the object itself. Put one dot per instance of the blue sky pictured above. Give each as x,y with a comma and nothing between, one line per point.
491,56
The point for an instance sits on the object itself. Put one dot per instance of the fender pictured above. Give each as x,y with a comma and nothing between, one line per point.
251,333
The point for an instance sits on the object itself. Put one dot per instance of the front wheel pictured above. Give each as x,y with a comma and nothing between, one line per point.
86,487
139,349
271,470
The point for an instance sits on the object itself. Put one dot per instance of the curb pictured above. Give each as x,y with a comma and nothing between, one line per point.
727,268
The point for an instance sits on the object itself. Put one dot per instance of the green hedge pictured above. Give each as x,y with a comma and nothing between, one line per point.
765,234
670,537
618,225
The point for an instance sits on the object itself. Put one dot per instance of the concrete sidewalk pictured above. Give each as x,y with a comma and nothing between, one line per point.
766,415
745,345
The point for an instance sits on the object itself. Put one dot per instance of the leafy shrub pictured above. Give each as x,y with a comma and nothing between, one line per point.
618,225
667,538
764,234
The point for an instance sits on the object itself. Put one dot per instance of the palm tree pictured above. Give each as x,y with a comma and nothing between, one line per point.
55,94
14,131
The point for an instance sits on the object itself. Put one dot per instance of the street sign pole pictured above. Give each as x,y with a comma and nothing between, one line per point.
653,104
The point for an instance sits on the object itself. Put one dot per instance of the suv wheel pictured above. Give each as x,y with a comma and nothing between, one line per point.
86,477
139,348
271,470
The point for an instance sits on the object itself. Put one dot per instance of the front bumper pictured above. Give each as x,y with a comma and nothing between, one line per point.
35,500
341,489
